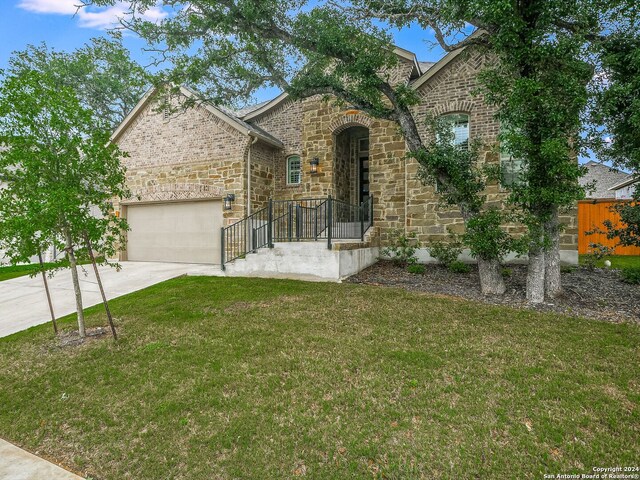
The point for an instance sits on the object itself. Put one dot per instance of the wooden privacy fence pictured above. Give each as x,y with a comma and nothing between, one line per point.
592,214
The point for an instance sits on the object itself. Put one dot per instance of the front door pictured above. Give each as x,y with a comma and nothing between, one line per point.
363,169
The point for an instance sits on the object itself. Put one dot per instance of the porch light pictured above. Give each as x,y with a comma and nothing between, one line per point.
315,161
228,200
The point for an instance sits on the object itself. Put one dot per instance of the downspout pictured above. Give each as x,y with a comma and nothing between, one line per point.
252,142
406,196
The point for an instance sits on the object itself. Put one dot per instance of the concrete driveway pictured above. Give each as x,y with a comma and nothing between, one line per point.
16,464
23,301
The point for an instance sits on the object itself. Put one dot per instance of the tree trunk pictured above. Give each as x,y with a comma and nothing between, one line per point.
535,274
491,279
76,285
104,297
46,288
553,283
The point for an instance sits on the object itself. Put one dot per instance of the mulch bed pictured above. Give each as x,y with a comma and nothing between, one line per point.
599,294
71,338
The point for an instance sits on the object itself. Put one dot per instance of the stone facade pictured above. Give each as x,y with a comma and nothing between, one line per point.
174,156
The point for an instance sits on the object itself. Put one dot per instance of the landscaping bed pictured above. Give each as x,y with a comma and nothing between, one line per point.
599,293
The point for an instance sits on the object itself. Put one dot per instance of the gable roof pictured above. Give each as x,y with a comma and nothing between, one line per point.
436,67
605,178
222,114
629,181
408,55
419,68
266,106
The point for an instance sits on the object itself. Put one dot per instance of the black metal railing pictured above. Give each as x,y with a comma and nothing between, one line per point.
245,236
295,220
326,219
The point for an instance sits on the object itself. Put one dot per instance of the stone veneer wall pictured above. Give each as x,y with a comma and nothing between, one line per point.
193,154
450,91
262,175
189,155
343,175
401,201
321,123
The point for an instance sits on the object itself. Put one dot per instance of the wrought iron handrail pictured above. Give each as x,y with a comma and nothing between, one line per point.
326,219
238,239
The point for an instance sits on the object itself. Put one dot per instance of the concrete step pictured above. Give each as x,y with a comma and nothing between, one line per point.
308,260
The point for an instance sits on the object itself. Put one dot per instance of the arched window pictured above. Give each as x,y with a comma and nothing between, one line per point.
294,170
459,123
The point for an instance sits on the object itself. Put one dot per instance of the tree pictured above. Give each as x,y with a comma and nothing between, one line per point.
104,77
486,239
57,166
20,238
616,109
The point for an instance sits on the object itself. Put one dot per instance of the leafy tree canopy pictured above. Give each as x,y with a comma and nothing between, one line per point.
57,164
102,74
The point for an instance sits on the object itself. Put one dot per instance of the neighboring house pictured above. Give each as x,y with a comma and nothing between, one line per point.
625,189
182,166
602,177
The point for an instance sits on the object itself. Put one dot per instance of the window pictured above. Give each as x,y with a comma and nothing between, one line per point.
510,170
459,134
294,170
459,128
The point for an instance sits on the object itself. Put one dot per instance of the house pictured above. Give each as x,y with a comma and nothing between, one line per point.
601,178
310,169
625,189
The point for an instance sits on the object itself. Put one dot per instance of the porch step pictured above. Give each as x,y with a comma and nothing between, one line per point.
306,260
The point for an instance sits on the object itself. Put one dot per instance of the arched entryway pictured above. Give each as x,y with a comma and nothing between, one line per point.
351,165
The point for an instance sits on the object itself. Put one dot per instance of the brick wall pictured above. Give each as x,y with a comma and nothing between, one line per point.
169,158
285,123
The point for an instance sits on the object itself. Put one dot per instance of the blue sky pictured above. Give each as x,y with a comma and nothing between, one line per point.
63,27
56,22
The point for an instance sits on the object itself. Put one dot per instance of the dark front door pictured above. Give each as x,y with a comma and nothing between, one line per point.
363,164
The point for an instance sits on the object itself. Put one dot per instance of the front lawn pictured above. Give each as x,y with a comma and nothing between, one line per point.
269,379
14,271
617,261
8,272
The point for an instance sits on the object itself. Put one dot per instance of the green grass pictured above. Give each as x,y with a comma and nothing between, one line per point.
272,379
617,261
15,271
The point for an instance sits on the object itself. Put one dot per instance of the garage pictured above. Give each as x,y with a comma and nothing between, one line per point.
183,232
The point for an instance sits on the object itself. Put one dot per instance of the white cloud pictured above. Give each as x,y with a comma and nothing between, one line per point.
99,18
64,7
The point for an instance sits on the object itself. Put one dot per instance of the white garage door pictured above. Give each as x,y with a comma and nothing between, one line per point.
185,232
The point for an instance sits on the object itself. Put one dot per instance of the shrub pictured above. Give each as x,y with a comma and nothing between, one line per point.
596,252
446,253
459,267
403,247
631,275
416,268
486,238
